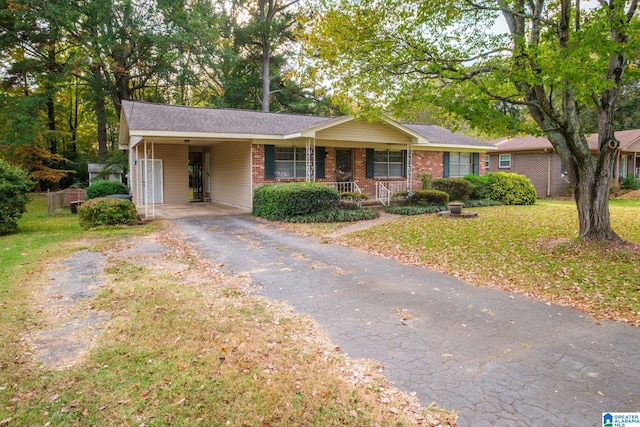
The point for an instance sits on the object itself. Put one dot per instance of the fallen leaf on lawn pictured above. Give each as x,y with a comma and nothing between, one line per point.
181,401
5,421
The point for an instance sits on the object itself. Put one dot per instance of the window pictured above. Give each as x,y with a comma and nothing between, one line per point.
505,161
487,161
388,164
460,164
290,162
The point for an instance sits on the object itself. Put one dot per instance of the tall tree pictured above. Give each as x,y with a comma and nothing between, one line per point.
553,59
269,27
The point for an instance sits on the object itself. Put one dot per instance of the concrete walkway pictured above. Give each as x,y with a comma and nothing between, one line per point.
498,358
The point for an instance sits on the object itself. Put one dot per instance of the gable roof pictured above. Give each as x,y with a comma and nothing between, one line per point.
441,136
144,116
143,119
629,141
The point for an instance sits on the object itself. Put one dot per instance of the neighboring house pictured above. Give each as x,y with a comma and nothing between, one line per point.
96,173
535,158
223,154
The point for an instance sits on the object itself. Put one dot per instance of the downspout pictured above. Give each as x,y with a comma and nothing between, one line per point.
153,179
409,169
145,192
549,174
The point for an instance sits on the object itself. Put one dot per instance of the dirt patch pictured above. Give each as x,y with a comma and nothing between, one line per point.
72,324
635,194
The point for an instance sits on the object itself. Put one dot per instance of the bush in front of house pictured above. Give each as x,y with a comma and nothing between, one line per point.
456,188
14,195
413,210
480,186
428,198
280,202
103,211
352,199
337,215
511,188
106,188
630,182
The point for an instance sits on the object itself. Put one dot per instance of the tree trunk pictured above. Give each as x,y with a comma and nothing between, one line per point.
266,79
592,200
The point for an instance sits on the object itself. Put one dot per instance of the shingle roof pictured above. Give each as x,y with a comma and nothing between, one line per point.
533,143
161,117
144,116
441,136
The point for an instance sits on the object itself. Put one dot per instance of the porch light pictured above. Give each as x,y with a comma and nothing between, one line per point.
186,141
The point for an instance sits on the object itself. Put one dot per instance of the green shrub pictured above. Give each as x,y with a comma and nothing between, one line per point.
456,188
480,187
14,195
106,188
481,203
426,179
351,199
630,182
336,215
280,202
428,198
511,188
106,211
414,210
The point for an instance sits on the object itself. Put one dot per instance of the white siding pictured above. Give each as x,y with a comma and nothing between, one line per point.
176,172
231,174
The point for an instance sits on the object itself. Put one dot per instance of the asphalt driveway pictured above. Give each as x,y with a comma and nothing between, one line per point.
497,357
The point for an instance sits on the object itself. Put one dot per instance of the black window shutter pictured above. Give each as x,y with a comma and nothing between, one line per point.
445,164
369,165
476,163
269,162
320,156
404,163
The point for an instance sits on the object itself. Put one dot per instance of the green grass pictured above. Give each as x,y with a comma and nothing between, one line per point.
529,249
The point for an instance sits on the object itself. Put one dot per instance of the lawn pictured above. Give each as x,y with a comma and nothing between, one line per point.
183,344
532,250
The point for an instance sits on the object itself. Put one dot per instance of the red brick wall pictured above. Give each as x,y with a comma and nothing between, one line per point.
535,166
423,161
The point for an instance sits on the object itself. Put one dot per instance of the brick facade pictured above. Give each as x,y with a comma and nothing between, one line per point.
544,169
423,162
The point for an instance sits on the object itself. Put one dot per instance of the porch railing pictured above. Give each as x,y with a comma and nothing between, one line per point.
386,189
344,187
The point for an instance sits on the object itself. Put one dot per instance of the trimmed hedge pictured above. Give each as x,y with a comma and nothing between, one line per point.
480,186
414,210
428,198
337,215
106,211
456,188
14,195
106,188
511,188
280,202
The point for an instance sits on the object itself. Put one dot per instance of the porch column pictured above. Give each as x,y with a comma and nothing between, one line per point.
409,169
311,160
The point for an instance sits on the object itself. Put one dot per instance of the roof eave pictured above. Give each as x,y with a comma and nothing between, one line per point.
204,135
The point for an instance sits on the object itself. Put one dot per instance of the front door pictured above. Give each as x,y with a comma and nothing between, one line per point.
344,165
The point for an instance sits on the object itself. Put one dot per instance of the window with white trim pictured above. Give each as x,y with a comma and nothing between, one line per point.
460,164
388,164
290,162
504,161
487,161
